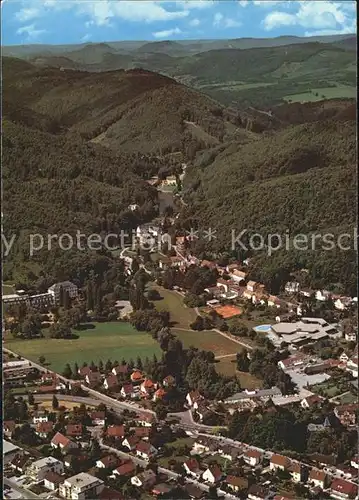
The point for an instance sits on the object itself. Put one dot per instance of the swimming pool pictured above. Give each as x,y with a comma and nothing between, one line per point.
262,328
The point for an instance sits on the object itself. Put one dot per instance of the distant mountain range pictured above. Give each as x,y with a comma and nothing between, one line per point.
240,72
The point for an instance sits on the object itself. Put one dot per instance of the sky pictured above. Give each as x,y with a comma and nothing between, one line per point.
79,21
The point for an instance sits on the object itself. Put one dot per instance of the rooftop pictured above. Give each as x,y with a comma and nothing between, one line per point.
82,480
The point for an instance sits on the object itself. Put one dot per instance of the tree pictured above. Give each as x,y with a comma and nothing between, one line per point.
67,373
161,411
55,402
109,365
242,361
95,450
42,360
31,398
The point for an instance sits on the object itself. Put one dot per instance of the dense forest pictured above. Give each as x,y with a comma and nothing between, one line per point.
301,179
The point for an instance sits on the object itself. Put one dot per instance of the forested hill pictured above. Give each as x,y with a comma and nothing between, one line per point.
301,179
128,111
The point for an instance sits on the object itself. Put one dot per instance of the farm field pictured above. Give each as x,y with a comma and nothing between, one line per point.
342,92
104,341
207,340
181,316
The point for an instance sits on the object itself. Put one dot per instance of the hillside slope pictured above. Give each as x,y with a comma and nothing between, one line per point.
299,180
126,110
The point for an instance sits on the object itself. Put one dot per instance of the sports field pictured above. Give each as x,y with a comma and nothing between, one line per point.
104,341
208,340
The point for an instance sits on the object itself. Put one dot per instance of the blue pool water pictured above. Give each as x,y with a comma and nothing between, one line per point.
262,328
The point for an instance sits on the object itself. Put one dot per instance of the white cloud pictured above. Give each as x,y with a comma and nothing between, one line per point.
194,22
195,4
167,33
324,15
31,32
86,38
224,22
27,14
275,19
102,12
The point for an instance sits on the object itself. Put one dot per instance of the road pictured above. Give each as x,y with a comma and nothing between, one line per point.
23,492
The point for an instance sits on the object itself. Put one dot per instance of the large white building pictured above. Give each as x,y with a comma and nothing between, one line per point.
38,470
81,487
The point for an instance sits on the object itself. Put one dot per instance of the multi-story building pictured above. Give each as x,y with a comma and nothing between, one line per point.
38,470
81,487
65,286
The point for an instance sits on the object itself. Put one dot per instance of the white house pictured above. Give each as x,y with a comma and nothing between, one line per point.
81,487
350,337
322,295
38,469
296,472
252,457
40,417
292,287
193,397
352,367
130,442
342,303
212,474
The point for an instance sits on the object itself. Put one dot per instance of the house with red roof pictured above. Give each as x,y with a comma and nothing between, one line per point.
252,457
8,427
107,462
279,462
212,474
44,429
85,370
169,381
115,431
342,489
311,401
318,478
120,370
98,418
147,387
93,379
136,377
145,450
159,394
192,468
146,419
125,469
193,397
127,391
237,483
111,382
65,444
130,442
74,430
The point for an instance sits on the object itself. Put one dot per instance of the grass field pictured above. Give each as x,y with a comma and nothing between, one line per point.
47,405
208,340
105,341
317,94
227,366
181,316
